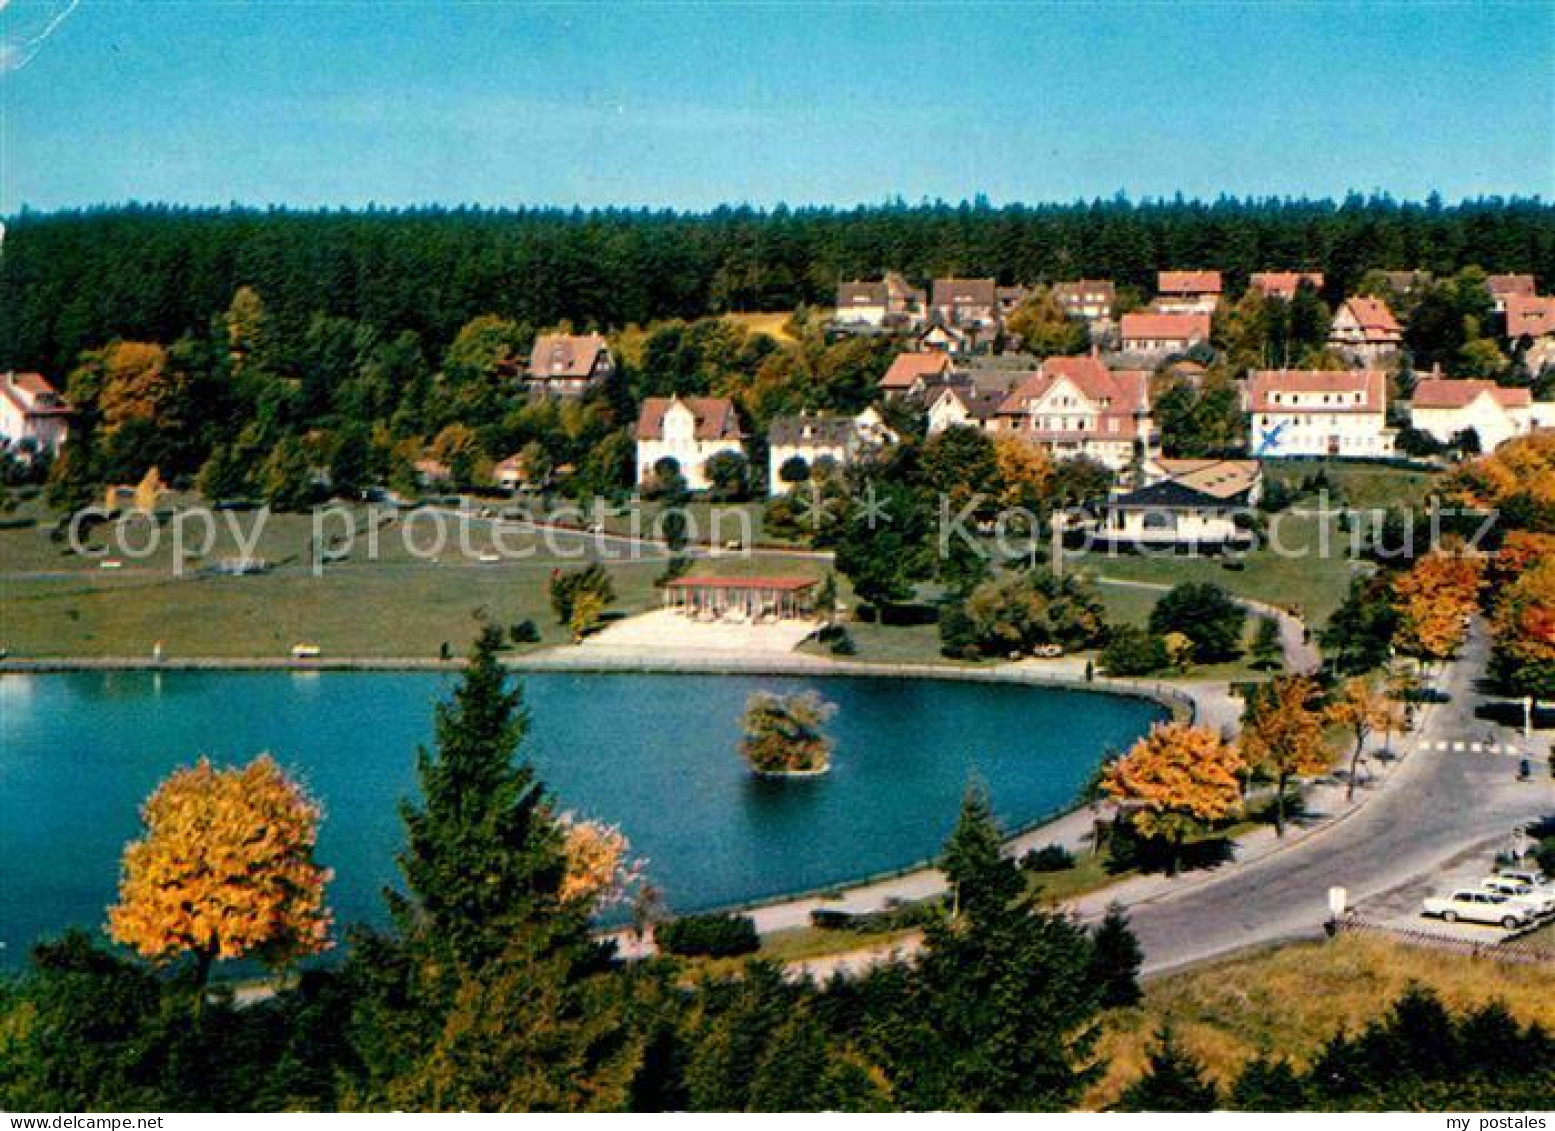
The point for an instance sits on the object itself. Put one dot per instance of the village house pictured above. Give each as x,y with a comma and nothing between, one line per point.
910,374
689,431
569,364
1446,409
1531,319
1364,331
1503,287
966,302
888,303
1187,292
1283,284
1405,283
964,404
1076,406
1090,299
1309,412
1152,335
817,439
33,416
1191,504
954,341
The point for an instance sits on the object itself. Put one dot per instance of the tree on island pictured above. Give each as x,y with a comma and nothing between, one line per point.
225,870
784,733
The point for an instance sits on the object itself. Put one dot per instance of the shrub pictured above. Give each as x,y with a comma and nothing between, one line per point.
715,936
1206,614
525,632
1133,651
1048,858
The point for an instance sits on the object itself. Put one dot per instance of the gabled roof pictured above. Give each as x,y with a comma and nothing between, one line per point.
1265,384
1080,289
811,429
1440,392
715,417
1151,326
980,404
566,356
1283,284
907,369
1194,483
1123,392
861,293
1509,284
32,395
1373,317
1188,282
965,292
1529,315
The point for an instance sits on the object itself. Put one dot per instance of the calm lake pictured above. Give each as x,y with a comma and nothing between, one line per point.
652,753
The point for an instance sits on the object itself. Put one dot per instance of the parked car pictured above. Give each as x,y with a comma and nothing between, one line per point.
1538,900
1476,906
1530,876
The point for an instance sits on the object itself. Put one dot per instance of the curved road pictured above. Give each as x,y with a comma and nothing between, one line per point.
1441,803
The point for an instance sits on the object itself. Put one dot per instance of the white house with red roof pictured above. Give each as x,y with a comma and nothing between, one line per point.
33,416
1311,412
1187,292
569,364
1503,287
1283,284
688,430
1076,406
1448,408
1154,335
1365,331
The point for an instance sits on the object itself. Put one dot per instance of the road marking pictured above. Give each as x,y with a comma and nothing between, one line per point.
1457,747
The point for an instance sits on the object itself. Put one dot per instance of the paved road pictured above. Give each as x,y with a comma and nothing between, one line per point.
1441,803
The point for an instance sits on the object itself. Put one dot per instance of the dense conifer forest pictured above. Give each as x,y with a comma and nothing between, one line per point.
74,280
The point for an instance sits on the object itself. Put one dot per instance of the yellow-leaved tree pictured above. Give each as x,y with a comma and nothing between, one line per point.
1362,709
225,869
1283,736
1176,780
1434,600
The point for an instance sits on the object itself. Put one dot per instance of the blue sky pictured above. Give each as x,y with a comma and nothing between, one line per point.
691,105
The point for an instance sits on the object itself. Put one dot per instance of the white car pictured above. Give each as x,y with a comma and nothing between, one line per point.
1476,906
1530,876
1538,900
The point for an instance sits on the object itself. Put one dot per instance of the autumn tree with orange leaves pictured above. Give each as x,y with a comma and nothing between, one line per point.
1283,736
1523,621
225,870
1434,600
1362,709
1175,781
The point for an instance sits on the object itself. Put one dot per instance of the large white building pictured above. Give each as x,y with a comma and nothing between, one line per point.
1309,412
1448,408
1076,406
688,430
33,416
816,439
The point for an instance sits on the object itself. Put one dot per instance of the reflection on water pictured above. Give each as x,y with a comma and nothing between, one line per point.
652,753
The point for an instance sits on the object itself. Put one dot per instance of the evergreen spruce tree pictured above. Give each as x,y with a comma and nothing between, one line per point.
1174,1081
1115,959
1268,1085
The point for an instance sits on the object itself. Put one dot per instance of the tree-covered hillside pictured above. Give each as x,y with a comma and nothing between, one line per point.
75,280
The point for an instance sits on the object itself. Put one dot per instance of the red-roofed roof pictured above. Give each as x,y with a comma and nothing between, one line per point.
1149,326
1266,384
1447,393
715,417
1529,315
1283,284
1509,284
1114,395
566,356
907,369
1374,318
1188,282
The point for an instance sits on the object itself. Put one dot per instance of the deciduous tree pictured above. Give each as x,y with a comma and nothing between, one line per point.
1283,736
1175,781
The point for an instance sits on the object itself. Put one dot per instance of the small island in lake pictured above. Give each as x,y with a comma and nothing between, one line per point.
784,735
